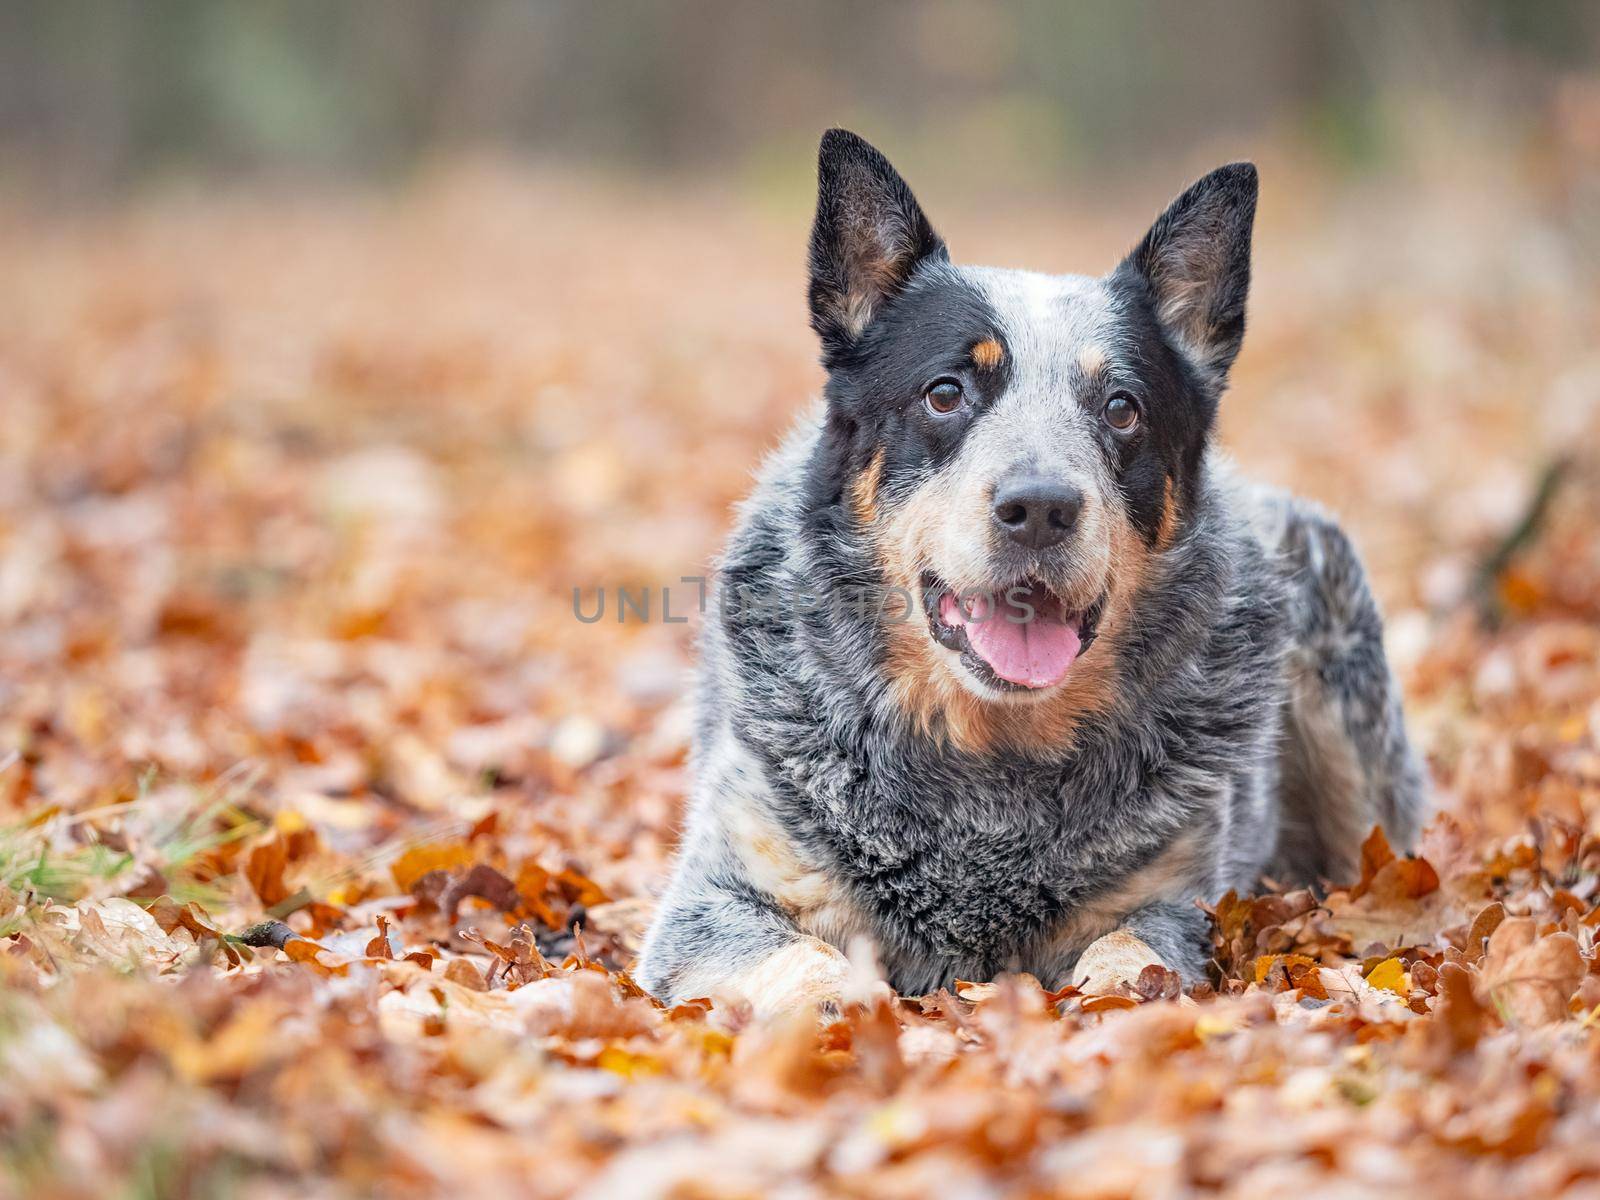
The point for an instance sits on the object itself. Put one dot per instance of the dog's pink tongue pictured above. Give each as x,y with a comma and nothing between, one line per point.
1034,649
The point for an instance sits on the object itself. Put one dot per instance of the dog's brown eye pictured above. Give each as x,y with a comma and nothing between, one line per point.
1121,413
943,396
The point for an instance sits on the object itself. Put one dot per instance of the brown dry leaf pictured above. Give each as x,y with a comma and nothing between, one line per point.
170,915
381,946
1397,902
481,881
1483,925
976,993
121,931
1526,978
580,1004
434,856
303,950
265,869
1459,1019
1280,964
1156,982
459,970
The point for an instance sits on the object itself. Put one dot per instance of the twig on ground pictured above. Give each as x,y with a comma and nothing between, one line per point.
269,933
1485,589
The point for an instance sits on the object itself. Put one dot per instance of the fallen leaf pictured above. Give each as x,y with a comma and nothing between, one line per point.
579,1004
433,856
265,869
1526,978
482,881
1390,975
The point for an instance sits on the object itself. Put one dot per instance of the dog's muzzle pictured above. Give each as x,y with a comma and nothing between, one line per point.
1018,637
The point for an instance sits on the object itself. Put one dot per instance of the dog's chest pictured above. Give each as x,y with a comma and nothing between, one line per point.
956,863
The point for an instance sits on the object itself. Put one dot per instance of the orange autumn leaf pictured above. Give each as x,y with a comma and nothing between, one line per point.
1384,874
1283,962
1520,592
580,889
265,869
308,953
431,856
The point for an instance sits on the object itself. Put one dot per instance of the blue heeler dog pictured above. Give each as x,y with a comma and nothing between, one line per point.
1129,681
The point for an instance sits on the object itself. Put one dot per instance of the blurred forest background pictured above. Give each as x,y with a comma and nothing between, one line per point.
97,96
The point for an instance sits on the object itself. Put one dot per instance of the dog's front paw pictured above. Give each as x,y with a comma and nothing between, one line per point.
806,974
1118,957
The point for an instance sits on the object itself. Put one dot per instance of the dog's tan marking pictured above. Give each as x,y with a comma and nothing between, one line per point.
1092,360
1118,957
1169,518
816,901
877,260
1134,560
864,491
988,354
855,313
771,861
940,707
807,973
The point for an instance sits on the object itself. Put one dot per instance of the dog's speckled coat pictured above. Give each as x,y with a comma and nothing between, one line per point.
1233,715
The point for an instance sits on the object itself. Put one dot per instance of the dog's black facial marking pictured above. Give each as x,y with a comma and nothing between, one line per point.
940,326
1181,297
1158,464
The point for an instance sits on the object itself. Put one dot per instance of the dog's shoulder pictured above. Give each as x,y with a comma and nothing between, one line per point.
744,618
1305,545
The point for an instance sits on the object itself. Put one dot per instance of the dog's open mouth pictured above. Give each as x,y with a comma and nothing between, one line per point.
1020,636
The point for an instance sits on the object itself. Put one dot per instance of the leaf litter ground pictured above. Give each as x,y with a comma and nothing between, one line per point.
327,832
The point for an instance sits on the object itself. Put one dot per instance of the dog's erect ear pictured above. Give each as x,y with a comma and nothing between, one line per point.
1196,262
869,236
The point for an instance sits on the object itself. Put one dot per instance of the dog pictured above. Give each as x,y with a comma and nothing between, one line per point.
1105,677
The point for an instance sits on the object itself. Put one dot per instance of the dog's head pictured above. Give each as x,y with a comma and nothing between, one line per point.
1016,448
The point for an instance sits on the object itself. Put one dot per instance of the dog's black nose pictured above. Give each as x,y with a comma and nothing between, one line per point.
1037,512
